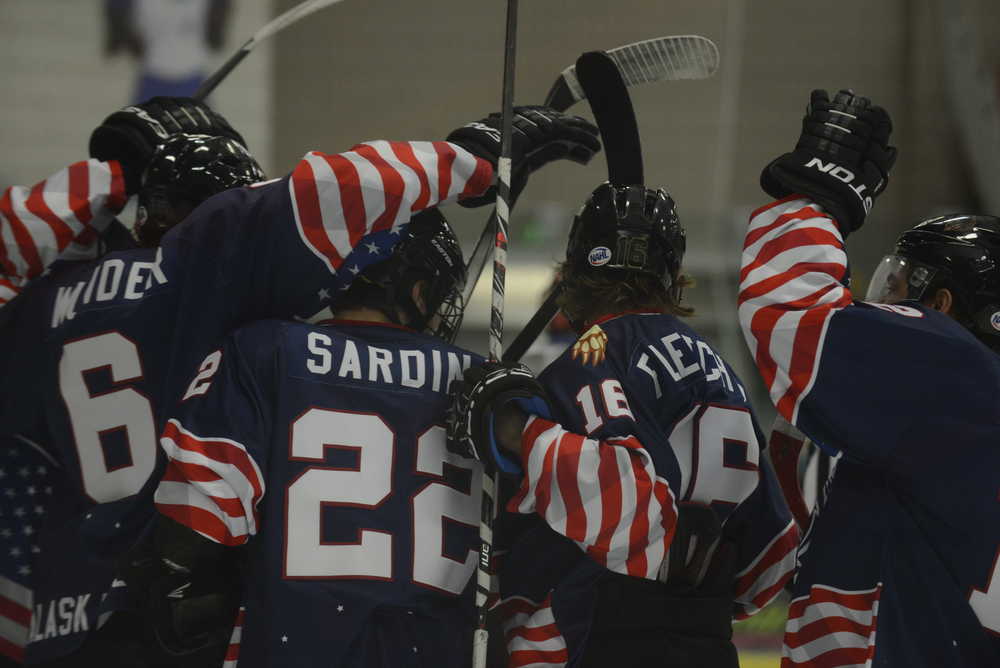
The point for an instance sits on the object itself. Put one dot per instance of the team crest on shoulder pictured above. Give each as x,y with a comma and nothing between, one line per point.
591,347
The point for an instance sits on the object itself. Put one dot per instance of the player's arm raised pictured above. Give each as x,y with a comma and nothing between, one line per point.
793,278
604,494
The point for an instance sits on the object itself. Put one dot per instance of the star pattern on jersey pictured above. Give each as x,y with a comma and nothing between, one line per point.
26,486
373,248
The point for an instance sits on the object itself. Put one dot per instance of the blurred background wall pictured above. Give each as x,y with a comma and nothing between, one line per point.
401,69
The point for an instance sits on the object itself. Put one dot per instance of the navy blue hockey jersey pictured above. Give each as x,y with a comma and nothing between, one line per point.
99,350
323,448
899,567
647,415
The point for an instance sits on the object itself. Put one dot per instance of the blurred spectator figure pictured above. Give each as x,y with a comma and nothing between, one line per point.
171,39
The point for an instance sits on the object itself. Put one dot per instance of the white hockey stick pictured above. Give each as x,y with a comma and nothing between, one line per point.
670,58
278,24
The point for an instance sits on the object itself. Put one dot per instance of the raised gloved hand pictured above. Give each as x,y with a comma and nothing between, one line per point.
540,136
132,134
842,159
488,411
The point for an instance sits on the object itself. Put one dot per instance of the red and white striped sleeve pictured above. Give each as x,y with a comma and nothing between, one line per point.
791,278
533,637
831,627
765,577
61,215
602,494
211,485
376,186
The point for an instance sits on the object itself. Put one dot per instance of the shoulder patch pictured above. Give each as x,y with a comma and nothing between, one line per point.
591,348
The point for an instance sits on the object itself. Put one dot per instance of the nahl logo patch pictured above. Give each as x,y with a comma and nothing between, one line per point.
599,256
591,348
995,321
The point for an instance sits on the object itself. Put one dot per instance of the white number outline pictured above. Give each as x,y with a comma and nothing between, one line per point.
135,403
434,483
695,417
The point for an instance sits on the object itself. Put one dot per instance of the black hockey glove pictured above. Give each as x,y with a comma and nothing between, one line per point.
192,591
478,401
540,135
842,159
132,134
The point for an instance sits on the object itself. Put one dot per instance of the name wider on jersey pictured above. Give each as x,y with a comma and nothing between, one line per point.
111,280
431,369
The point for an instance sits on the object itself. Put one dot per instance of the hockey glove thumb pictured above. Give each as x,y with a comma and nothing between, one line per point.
540,135
842,159
479,401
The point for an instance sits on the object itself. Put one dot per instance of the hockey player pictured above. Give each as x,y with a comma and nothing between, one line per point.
899,566
104,347
64,215
646,420
323,448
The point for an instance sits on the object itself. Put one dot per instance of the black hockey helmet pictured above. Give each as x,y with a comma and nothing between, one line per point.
186,170
960,252
428,252
631,228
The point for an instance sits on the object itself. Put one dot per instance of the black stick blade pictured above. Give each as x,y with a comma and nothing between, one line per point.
608,97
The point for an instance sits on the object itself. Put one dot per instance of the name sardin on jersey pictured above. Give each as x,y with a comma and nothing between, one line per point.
408,368
680,356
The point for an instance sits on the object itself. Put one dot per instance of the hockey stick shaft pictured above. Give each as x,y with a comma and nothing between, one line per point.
274,26
484,571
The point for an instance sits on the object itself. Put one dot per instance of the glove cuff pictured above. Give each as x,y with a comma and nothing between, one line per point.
789,175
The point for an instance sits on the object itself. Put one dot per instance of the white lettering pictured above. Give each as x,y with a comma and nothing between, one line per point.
135,276
65,607
50,622
351,364
436,363
316,342
675,356
379,359
411,379
80,614
156,271
643,364
65,307
89,292
111,272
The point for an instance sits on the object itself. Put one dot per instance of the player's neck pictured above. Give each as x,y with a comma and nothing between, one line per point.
361,314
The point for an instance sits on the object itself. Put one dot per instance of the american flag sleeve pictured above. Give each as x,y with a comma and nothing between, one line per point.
791,277
766,550
339,200
602,494
213,483
62,214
